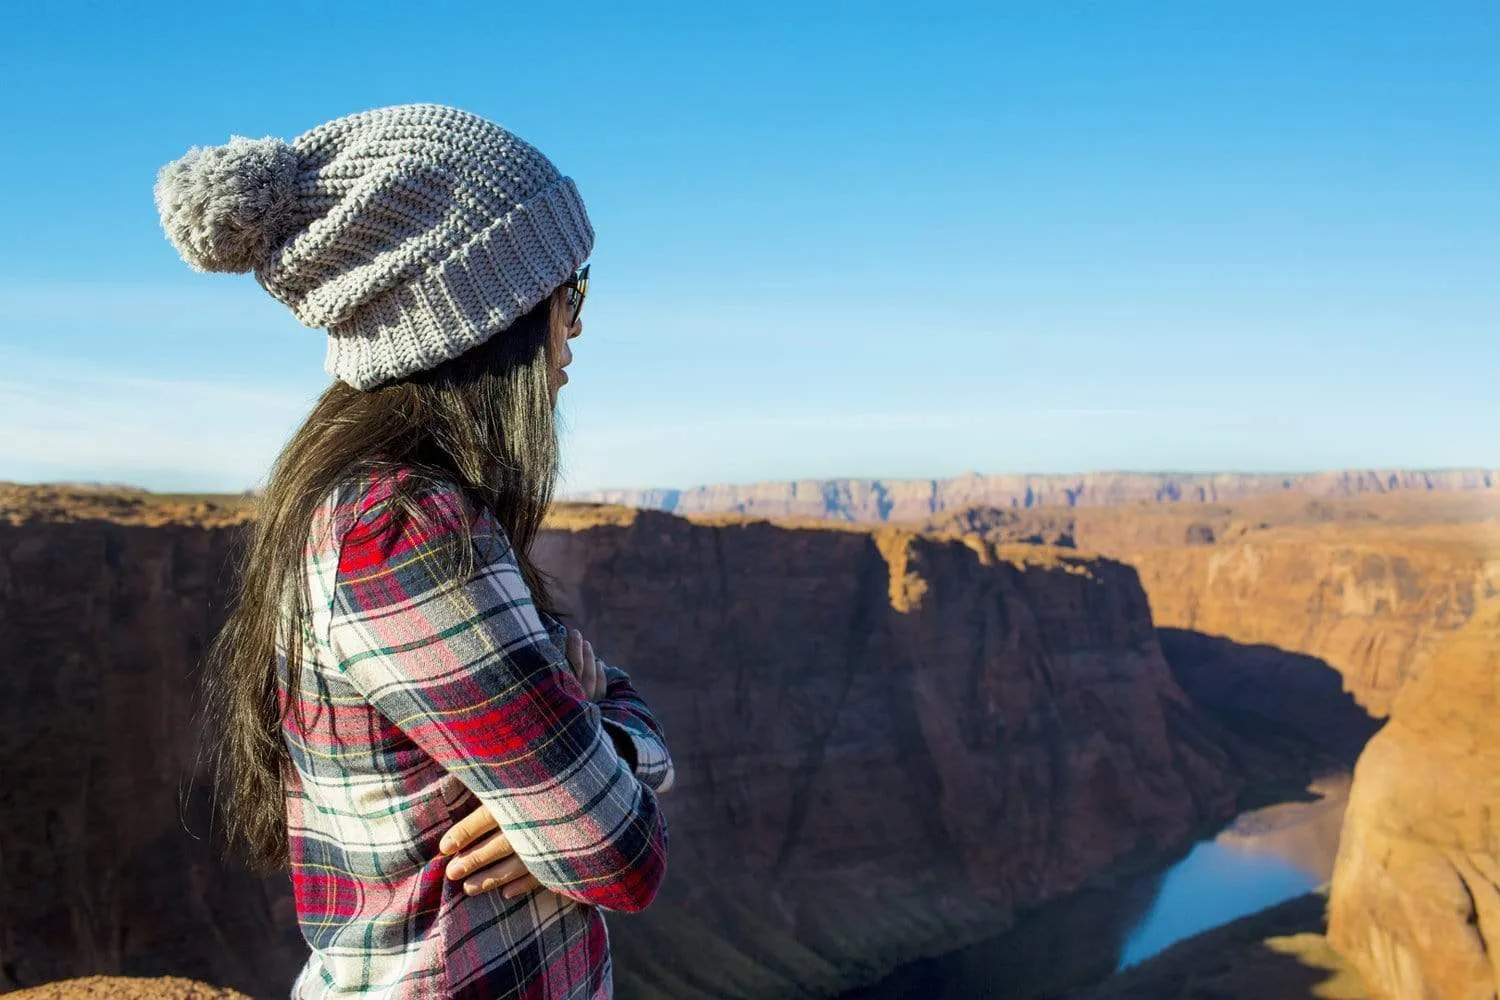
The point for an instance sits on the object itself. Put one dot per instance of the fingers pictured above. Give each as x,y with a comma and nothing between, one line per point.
594,684
521,886
585,665
478,822
507,876
491,849
575,651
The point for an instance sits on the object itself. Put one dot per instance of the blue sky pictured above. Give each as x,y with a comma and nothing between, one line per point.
833,239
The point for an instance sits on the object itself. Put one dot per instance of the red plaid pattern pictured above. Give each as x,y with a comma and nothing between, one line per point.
426,696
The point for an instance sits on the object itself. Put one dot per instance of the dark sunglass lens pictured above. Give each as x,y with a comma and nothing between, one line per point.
579,291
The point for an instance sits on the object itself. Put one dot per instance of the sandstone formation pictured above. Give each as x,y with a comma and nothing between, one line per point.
917,499
885,741
1004,524
1368,599
1362,588
1363,571
1000,720
1415,902
1143,525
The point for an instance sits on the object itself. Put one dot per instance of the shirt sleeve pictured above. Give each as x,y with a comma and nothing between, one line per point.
626,714
629,721
465,667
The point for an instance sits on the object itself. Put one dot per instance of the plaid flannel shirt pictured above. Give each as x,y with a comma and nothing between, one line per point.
426,696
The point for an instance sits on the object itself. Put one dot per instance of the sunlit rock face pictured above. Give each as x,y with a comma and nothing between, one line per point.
1369,599
1415,901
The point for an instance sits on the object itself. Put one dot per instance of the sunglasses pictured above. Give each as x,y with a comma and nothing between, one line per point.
578,287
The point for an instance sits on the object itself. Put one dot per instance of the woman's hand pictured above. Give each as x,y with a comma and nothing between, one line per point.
585,668
490,863
487,863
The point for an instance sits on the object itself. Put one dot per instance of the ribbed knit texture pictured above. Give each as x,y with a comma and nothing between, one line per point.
410,233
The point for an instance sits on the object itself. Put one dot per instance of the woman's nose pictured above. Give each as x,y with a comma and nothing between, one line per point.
576,331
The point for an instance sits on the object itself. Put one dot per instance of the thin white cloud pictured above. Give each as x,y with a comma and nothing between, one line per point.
64,421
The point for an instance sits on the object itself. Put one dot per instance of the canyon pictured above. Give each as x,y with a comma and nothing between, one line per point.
1372,598
1413,908
887,742
892,738
855,715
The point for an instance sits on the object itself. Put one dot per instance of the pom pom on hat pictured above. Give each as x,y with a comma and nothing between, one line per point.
225,207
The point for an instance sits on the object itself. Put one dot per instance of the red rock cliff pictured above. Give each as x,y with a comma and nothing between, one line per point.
1365,586
879,731
1415,899
1369,599
1363,570
101,624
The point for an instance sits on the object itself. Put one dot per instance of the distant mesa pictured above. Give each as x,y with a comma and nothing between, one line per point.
95,484
919,499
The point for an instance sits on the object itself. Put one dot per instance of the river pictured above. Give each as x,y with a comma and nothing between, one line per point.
1264,857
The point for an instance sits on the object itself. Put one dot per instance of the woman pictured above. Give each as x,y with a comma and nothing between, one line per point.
457,783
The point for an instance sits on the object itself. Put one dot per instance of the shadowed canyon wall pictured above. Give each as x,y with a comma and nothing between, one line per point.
1291,619
1367,587
101,624
1364,570
885,741
1295,620
1000,722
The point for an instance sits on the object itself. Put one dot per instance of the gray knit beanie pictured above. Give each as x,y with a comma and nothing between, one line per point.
410,233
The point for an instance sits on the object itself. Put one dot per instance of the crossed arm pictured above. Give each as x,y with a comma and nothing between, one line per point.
469,671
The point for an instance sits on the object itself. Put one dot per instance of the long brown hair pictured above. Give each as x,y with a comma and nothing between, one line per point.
483,421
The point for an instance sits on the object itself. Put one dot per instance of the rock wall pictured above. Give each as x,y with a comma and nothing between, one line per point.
1415,900
917,499
1362,570
1272,617
101,624
1370,600
884,740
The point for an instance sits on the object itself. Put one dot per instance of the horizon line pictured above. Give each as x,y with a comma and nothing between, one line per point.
969,474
